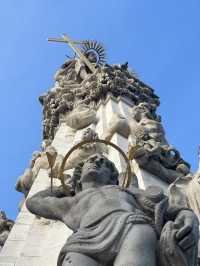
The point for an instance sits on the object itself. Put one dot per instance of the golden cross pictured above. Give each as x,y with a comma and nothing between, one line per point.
73,44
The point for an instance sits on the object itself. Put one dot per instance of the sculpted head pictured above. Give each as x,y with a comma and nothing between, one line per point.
92,57
97,170
141,110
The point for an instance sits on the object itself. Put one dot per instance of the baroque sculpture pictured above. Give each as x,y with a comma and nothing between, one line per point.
189,185
112,224
39,161
154,153
117,226
78,91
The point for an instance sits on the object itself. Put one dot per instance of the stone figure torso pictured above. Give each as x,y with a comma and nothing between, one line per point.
107,199
106,219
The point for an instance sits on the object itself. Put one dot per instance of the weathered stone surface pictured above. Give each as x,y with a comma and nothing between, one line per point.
147,137
190,186
39,161
81,117
116,80
5,227
101,211
75,100
110,103
153,151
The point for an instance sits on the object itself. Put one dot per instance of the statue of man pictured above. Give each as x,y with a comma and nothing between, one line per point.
116,226
75,70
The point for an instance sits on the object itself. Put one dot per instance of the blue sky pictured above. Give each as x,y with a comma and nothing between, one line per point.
160,39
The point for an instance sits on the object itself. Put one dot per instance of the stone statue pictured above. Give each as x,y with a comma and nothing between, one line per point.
145,132
190,186
77,86
39,161
81,153
42,161
81,117
25,182
117,124
116,226
5,227
154,153
74,70
35,156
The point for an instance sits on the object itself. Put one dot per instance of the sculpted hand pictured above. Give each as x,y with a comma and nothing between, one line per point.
59,192
54,173
188,232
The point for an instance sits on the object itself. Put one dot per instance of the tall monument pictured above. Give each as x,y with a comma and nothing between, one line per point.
105,111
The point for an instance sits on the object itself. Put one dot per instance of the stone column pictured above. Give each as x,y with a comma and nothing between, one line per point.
35,241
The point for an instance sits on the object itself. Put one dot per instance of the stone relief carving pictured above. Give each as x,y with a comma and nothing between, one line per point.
25,182
81,153
110,223
190,186
76,70
154,153
81,117
147,136
5,227
75,99
71,92
117,124
38,161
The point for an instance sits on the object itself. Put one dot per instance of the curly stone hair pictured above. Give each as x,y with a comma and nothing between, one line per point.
78,171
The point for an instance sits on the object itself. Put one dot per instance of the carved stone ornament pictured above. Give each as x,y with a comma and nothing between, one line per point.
109,222
190,186
39,161
113,222
153,152
81,117
78,86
